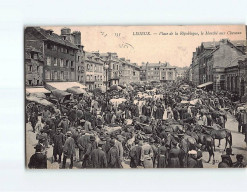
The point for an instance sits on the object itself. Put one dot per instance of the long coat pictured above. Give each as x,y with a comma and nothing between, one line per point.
69,147
135,156
146,156
58,141
38,161
82,144
98,159
113,158
162,157
174,155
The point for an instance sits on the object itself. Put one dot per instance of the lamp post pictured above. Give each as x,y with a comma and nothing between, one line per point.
106,76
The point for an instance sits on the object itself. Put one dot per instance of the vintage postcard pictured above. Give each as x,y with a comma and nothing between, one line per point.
135,97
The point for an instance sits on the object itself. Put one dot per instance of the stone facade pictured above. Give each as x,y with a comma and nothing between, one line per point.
34,64
212,58
129,72
59,54
94,70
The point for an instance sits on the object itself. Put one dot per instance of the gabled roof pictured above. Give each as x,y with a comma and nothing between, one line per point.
54,37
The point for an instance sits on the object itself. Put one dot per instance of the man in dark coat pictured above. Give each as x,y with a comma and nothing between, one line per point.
239,163
86,162
82,143
135,155
38,160
72,115
33,119
68,150
98,157
64,124
225,162
113,159
58,142
155,151
192,160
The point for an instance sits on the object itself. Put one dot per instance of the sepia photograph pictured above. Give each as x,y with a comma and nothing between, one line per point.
134,97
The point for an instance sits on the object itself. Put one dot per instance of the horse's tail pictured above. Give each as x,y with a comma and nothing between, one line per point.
230,141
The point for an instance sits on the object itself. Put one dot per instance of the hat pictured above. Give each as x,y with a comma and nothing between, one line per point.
101,143
102,138
69,133
92,138
59,128
239,157
38,147
192,152
79,127
112,142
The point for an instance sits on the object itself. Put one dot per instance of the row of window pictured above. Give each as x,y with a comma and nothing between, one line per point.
60,49
57,75
31,68
59,62
95,68
95,78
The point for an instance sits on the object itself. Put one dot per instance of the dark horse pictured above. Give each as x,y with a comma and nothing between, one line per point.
220,134
208,142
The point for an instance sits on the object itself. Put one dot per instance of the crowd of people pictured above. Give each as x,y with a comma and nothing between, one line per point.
149,126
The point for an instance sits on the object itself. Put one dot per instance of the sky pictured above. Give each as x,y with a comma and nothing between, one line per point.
173,44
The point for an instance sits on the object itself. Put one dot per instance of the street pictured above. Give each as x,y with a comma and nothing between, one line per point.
238,147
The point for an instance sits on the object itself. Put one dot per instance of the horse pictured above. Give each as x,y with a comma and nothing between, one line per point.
220,134
208,142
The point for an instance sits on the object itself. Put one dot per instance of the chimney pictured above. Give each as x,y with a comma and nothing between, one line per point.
77,37
50,31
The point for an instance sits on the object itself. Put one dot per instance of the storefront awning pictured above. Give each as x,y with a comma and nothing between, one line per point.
63,86
76,90
38,100
37,90
204,84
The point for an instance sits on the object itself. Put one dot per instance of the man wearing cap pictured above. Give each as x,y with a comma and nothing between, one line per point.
119,147
192,159
82,143
155,151
162,155
98,157
239,163
225,162
72,115
64,124
58,142
86,162
68,150
113,159
38,160
135,155
88,126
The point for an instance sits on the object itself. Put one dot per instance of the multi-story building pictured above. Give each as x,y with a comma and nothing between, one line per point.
59,53
34,63
157,72
94,70
211,59
143,72
129,72
75,38
167,72
242,64
153,72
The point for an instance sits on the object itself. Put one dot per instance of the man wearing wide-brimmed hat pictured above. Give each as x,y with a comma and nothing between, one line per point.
68,150
38,160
